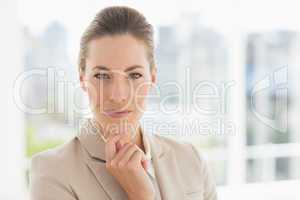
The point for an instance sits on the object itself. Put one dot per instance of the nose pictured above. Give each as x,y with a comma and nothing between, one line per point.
119,91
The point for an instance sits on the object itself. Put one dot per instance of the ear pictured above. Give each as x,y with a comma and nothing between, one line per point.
82,81
153,76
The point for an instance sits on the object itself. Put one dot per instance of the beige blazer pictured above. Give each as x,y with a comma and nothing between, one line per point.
75,170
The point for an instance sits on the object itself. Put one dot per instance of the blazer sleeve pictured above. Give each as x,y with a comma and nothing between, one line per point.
46,182
209,183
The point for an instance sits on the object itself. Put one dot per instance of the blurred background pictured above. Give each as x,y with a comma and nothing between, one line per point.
227,79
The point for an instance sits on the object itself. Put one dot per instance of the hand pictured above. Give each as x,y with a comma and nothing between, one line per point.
125,164
122,141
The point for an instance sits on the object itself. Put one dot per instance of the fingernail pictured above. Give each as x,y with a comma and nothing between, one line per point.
118,145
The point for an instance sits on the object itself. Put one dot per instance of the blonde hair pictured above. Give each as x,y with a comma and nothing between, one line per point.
117,20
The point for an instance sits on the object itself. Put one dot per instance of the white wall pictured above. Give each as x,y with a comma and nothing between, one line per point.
12,175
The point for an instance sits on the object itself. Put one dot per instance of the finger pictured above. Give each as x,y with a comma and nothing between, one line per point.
118,145
122,152
145,164
144,161
136,158
126,156
124,139
110,147
144,158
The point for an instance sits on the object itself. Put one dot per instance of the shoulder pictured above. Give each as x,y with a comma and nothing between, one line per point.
175,144
181,149
49,176
52,162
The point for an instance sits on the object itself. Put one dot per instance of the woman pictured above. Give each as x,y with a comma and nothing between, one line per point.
113,157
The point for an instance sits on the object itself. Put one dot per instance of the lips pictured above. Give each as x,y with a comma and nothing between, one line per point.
117,114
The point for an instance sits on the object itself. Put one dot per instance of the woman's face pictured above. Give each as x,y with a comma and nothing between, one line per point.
117,79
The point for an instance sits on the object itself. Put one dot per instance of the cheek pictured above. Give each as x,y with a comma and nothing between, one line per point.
141,94
95,93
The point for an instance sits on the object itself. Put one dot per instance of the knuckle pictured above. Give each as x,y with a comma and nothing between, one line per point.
113,164
121,165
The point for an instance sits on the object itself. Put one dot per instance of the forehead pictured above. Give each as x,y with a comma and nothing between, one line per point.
116,52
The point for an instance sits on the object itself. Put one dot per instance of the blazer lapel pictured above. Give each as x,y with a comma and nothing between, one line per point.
167,171
95,160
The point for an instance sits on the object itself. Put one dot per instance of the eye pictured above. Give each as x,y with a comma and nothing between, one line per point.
101,76
135,75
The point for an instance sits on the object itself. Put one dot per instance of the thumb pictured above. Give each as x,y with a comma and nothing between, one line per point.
145,164
144,160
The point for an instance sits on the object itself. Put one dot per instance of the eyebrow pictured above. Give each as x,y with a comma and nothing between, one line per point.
101,67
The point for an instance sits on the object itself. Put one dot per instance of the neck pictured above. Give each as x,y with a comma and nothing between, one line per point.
138,140
136,131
